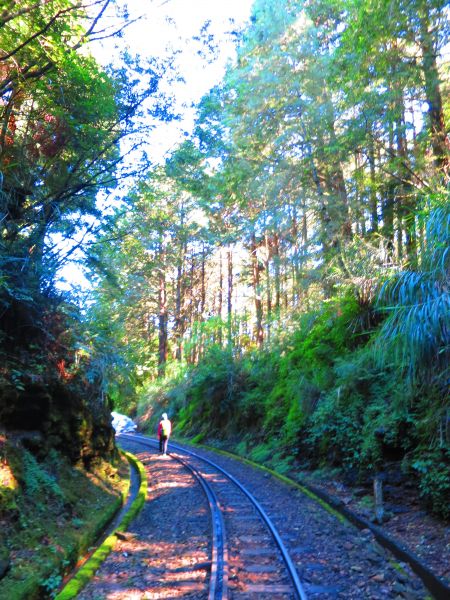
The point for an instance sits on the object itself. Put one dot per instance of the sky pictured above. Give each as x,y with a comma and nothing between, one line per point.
165,26
157,29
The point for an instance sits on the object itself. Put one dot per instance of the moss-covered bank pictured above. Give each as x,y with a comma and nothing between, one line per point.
50,512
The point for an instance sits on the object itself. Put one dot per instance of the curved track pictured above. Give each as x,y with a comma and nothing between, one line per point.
229,497
219,569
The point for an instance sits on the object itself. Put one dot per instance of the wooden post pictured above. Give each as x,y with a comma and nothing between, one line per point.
378,496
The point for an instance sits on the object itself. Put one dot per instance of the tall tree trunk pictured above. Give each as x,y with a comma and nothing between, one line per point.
191,310
178,317
259,332
201,319
439,140
162,320
277,265
268,285
220,296
230,297
373,192
295,258
406,206
203,285
388,205
324,216
335,178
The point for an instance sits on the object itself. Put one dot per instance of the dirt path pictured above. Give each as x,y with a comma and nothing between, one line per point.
408,522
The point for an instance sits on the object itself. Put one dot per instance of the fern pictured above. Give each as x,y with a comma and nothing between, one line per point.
417,330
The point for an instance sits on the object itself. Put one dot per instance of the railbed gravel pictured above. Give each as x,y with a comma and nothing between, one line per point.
166,552
334,559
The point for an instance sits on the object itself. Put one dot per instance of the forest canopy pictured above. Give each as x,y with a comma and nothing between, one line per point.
66,126
284,273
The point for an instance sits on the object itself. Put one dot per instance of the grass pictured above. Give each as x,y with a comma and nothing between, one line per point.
56,514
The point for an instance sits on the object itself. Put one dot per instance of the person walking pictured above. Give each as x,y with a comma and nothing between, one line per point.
164,431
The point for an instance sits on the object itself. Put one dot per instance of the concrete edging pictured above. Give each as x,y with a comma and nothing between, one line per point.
87,571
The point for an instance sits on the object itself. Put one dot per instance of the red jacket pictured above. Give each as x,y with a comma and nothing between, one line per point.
169,426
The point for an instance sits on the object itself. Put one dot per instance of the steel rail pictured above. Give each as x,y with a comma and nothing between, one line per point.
298,586
218,584
218,587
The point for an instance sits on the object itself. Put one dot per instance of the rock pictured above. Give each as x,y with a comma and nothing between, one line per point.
400,510
398,587
122,423
378,549
409,595
374,558
348,546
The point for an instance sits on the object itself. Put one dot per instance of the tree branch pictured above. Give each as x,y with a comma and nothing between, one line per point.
37,34
23,11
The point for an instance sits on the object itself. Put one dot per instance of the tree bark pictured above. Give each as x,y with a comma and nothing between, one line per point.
162,320
230,297
373,193
277,268
220,297
178,317
268,285
256,281
439,140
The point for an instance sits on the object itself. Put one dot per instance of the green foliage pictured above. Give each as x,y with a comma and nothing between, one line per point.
51,584
87,571
418,306
39,484
433,469
317,395
58,149
236,284
60,510
315,175
212,392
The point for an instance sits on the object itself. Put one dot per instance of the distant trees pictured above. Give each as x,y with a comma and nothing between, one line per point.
312,168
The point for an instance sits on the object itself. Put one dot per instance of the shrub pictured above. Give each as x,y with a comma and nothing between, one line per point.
433,469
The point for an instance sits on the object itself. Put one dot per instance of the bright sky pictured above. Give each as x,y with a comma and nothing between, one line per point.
170,25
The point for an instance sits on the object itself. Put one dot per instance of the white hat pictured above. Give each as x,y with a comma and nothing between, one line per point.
164,416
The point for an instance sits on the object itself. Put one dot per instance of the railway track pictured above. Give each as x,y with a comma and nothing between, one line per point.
245,541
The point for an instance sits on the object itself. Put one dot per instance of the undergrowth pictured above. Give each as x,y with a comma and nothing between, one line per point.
318,397
53,512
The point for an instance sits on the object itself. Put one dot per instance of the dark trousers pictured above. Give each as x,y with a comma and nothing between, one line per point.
163,441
